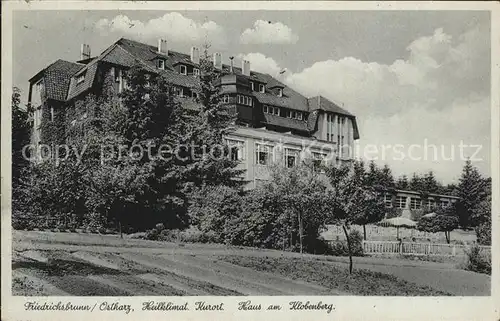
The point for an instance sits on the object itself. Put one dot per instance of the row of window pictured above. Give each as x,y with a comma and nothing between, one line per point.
262,88
331,134
183,70
415,202
245,100
293,114
264,154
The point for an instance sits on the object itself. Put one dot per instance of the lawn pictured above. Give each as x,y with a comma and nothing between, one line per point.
360,282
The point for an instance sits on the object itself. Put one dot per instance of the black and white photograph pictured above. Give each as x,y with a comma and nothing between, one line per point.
246,153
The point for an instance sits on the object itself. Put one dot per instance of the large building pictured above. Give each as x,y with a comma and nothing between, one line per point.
275,123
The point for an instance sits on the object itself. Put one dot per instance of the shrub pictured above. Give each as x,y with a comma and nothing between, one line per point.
477,261
416,214
483,233
438,223
194,235
160,227
19,224
340,248
356,242
152,234
393,212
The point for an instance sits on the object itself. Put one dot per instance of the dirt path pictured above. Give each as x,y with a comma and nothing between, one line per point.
73,264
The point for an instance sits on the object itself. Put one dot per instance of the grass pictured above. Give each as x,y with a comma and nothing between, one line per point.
334,276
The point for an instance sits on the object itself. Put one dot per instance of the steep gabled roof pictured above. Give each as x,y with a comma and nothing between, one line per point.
57,78
321,103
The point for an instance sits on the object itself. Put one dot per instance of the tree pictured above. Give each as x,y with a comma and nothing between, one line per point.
20,137
372,207
346,198
284,212
472,189
402,183
438,223
431,185
417,183
213,210
385,177
301,192
482,215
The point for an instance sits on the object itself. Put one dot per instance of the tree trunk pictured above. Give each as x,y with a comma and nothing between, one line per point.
348,248
300,233
447,235
120,229
364,232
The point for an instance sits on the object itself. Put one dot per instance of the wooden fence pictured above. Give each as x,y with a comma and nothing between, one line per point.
412,248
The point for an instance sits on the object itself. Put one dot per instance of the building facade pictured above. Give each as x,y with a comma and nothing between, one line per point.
411,200
275,124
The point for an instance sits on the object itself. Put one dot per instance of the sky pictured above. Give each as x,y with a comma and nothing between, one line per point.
417,81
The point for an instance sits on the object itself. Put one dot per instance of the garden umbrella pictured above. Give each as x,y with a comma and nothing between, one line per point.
398,222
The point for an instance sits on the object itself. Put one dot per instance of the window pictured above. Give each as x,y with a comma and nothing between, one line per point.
179,91
245,100
236,149
80,78
37,118
340,130
299,115
388,201
183,70
318,159
293,114
415,203
263,154
280,92
444,203
252,86
265,109
225,98
291,157
262,88
431,203
161,64
194,94
330,121
400,201
196,71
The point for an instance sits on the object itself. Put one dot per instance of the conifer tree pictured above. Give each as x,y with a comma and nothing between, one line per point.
472,190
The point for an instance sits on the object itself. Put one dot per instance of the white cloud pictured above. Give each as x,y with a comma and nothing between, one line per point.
261,63
266,32
172,26
440,92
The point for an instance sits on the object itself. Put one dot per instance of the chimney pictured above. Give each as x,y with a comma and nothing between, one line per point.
218,60
84,52
245,67
231,65
162,46
195,55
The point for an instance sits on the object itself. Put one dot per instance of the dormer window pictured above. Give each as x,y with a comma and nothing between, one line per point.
262,88
179,91
196,71
252,86
280,92
80,78
183,70
299,116
161,64
225,98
